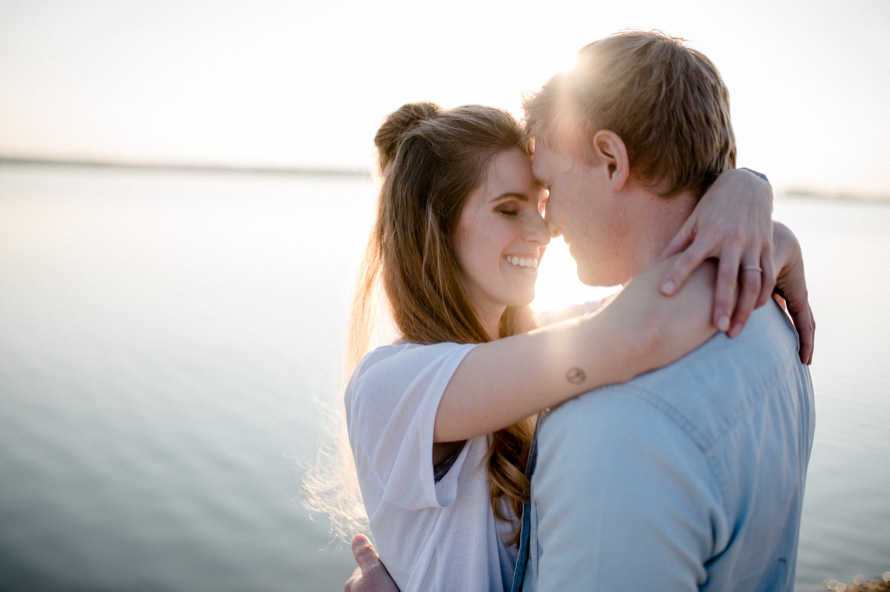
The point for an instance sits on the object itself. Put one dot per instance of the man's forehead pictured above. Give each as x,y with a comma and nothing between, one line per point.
539,173
562,138
542,162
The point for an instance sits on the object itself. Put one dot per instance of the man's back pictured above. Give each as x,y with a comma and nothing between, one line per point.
690,477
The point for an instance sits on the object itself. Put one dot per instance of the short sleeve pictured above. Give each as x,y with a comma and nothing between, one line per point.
391,405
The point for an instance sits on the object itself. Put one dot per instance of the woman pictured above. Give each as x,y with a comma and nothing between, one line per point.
440,422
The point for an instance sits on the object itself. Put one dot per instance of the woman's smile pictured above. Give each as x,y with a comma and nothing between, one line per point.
501,237
527,263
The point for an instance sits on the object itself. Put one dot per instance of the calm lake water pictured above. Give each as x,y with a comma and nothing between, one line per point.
163,338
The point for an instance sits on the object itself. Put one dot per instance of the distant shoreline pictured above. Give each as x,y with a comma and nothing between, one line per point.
839,196
185,167
327,172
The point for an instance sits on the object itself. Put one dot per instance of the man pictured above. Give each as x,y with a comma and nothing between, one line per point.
690,477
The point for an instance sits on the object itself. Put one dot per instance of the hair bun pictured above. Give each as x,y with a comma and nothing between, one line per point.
397,123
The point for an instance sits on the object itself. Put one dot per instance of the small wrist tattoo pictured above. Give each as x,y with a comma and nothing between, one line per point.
576,376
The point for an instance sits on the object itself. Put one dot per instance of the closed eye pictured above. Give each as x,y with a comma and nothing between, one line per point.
510,204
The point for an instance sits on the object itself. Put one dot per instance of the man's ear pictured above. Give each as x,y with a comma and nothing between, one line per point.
610,151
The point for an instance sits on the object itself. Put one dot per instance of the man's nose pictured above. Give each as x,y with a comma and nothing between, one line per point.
551,225
548,220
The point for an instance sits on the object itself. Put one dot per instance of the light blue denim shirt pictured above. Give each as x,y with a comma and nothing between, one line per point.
687,478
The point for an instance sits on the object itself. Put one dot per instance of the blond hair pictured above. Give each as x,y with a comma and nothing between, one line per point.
430,160
666,101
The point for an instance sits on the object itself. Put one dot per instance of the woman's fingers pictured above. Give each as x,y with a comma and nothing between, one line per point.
371,574
806,331
767,280
681,240
750,278
798,305
726,290
693,256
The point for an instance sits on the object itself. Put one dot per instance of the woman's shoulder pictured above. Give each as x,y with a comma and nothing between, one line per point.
403,354
401,384
398,366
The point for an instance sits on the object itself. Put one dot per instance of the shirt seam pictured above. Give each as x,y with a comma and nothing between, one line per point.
691,430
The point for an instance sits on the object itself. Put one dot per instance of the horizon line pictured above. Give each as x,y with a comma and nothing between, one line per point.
184,166
329,171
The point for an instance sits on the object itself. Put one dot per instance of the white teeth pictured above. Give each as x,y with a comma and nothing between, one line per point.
523,262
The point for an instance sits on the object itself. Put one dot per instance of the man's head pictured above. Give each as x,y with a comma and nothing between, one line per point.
627,141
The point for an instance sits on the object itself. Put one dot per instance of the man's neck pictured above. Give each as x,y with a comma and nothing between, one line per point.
657,221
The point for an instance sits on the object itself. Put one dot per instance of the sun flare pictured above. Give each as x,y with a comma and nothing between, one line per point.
558,285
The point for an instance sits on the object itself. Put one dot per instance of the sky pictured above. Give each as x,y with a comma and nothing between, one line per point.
306,84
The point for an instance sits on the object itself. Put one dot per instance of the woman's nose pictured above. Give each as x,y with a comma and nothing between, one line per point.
552,228
537,231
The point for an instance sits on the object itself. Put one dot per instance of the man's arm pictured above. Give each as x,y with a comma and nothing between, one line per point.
622,498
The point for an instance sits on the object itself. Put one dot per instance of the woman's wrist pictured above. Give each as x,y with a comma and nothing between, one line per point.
633,331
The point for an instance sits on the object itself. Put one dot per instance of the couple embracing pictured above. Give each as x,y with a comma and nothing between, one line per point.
655,441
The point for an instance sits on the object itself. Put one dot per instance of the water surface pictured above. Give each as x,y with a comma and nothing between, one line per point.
163,337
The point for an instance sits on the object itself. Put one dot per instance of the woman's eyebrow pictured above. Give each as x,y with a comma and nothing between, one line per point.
511,194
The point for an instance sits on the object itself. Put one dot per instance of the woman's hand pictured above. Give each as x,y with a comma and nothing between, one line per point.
792,287
732,230
370,575
733,223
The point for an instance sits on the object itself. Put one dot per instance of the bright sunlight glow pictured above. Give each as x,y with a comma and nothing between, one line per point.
300,84
558,285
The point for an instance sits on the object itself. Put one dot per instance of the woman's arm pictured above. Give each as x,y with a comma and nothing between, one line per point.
791,285
551,317
504,381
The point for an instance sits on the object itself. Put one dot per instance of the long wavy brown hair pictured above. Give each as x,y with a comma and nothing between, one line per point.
430,160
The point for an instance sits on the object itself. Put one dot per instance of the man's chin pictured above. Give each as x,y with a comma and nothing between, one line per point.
588,278
596,278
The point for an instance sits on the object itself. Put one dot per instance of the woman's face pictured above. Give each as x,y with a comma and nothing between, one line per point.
501,236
